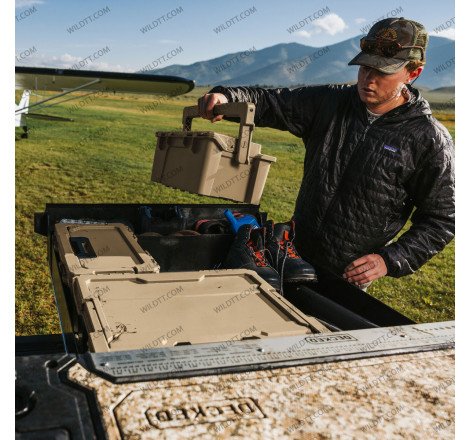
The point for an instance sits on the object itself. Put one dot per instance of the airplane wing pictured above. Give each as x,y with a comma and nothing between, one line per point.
67,80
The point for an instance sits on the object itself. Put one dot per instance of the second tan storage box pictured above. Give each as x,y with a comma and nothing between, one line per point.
213,164
90,249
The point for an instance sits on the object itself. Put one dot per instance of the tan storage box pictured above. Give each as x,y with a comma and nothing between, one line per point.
127,312
89,249
213,164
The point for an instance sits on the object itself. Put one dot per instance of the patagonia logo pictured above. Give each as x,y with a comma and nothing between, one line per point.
390,148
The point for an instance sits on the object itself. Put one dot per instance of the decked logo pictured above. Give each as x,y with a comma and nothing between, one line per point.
211,412
323,339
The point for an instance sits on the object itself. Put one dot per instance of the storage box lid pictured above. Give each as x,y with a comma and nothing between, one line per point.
86,249
126,312
221,141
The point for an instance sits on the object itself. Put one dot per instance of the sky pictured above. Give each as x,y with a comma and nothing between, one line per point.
127,35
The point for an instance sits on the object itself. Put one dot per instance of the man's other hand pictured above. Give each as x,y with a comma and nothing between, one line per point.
206,105
365,269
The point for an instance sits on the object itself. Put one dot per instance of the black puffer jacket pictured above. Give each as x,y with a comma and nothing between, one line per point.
361,181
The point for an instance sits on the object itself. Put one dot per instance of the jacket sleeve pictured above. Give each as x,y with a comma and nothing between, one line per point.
432,189
286,109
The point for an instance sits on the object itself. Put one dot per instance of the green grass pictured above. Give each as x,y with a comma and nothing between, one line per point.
105,156
443,99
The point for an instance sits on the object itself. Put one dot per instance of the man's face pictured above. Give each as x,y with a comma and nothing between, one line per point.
375,87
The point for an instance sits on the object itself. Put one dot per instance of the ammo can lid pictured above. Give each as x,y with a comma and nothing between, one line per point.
224,142
132,312
100,248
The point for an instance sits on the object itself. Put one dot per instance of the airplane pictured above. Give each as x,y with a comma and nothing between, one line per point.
68,81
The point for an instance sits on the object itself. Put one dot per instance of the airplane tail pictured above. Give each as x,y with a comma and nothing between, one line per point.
24,102
20,120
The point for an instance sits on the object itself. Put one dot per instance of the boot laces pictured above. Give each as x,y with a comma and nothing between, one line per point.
260,259
287,246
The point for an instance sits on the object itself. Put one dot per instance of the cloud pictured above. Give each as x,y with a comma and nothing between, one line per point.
332,24
66,61
360,20
447,33
305,34
27,3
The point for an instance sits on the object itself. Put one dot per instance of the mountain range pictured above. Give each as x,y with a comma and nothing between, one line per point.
290,64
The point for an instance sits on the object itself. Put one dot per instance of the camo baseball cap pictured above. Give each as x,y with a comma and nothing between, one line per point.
391,44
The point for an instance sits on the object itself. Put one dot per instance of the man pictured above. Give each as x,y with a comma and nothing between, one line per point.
373,153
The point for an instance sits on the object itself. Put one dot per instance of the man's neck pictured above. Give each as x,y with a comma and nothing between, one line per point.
390,104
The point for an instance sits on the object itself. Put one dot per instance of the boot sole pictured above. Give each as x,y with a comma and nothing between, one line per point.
302,279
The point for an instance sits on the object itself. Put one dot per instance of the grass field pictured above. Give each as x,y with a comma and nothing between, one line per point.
105,156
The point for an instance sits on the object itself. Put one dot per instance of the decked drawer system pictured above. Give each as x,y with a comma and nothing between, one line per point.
197,352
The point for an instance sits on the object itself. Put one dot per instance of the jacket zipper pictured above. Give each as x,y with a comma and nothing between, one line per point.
364,135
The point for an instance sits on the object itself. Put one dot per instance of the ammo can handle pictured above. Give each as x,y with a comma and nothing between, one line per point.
245,111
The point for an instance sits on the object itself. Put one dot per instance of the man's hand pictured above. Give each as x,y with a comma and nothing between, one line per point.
365,269
206,105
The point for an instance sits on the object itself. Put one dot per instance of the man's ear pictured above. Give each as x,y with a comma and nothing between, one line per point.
415,73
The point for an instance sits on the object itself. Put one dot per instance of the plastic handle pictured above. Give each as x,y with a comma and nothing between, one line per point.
237,222
245,111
